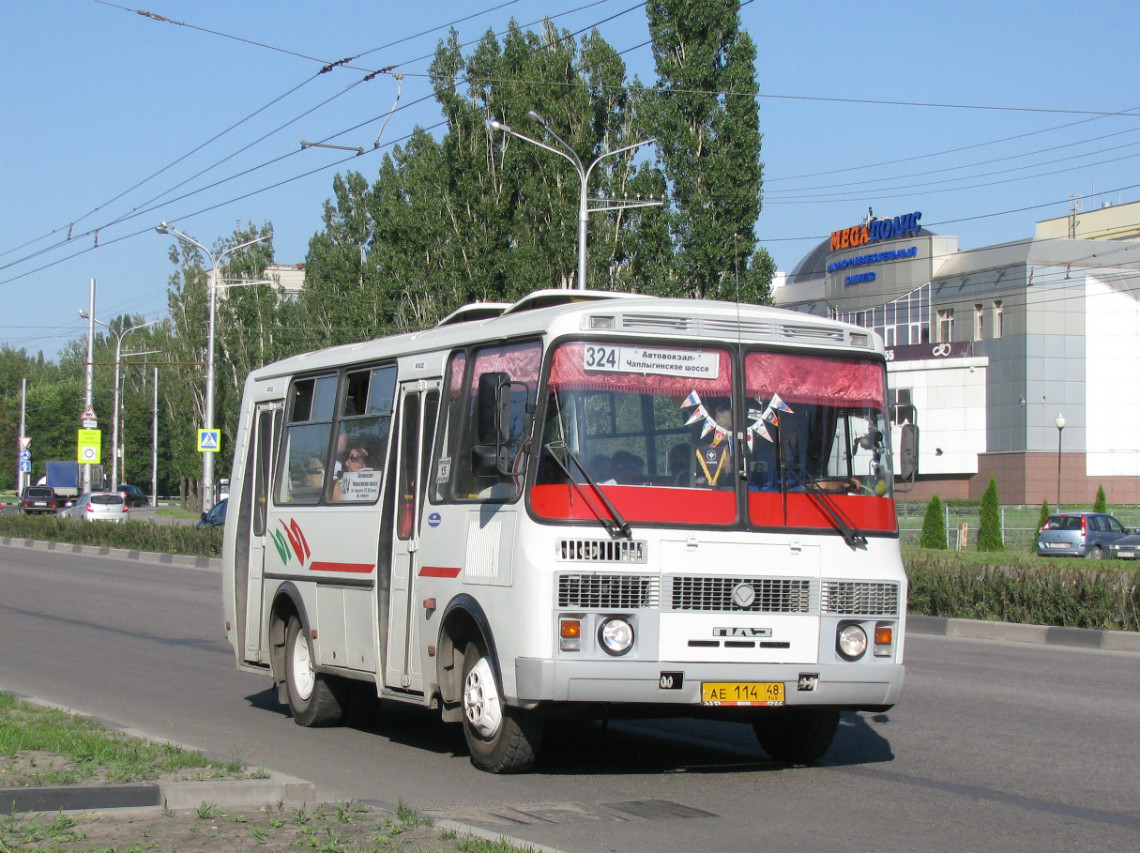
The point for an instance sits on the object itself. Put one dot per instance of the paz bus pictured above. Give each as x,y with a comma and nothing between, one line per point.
582,503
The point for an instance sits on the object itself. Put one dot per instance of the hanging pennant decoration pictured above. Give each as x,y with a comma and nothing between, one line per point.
700,413
767,414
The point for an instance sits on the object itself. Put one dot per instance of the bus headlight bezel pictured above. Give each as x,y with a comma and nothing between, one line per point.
616,635
851,641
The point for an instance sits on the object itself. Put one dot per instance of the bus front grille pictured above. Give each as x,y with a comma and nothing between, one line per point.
601,550
740,594
862,598
608,592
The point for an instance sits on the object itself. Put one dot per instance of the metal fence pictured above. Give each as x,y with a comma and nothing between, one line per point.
1018,523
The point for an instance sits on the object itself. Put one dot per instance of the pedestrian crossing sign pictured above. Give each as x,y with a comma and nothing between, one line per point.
209,440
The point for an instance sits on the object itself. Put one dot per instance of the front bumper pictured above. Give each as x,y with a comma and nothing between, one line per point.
850,685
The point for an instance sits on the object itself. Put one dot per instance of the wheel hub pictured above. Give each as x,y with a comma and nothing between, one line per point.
481,700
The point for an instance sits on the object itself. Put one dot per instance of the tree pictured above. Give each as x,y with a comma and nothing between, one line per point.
989,525
934,526
705,117
1101,503
1042,517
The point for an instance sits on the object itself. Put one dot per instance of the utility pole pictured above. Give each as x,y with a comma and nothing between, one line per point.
21,480
90,380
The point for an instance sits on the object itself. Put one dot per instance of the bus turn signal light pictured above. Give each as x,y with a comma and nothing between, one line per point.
884,639
570,635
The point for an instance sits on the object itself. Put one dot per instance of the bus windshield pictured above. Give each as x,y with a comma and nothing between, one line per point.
693,436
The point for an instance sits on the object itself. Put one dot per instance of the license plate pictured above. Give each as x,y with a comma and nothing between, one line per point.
1128,554
742,693
1057,545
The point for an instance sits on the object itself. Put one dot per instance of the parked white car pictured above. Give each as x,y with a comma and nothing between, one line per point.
99,506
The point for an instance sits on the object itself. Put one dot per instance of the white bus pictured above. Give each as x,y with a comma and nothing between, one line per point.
581,503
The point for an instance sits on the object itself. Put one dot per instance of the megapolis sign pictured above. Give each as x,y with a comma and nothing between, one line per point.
876,230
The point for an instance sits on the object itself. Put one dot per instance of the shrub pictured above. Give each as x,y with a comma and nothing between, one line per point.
934,526
989,522
1100,504
1054,595
131,535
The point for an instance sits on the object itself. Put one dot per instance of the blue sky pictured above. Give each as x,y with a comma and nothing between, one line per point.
984,116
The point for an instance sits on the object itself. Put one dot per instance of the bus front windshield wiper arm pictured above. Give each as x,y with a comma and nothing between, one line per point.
615,525
852,535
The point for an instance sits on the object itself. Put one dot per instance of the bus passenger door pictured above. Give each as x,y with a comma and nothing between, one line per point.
418,403
252,521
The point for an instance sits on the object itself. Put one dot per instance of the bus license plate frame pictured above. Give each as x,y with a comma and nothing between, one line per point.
743,693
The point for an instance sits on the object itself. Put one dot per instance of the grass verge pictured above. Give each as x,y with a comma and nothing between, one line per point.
42,746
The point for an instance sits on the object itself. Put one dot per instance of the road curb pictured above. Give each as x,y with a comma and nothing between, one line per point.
1081,638
228,793
183,561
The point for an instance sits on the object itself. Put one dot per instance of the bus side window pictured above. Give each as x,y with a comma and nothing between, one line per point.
302,469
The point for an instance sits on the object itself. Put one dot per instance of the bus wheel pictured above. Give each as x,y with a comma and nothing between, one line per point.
501,738
796,735
314,699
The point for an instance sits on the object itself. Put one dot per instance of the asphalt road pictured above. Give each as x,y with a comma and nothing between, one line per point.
995,746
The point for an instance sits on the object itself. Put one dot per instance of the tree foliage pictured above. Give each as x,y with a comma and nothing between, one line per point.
1100,504
706,121
989,522
934,526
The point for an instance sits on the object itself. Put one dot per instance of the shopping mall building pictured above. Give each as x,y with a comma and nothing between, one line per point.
1019,361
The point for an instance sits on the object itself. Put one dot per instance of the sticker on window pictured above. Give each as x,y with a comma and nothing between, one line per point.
443,470
360,485
666,362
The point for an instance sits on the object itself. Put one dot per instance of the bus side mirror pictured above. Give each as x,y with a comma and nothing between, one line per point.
908,453
492,425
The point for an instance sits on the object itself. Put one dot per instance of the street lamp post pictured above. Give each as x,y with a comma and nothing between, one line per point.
1060,421
568,153
115,414
208,458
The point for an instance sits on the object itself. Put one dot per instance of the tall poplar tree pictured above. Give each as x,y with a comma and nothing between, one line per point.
706,120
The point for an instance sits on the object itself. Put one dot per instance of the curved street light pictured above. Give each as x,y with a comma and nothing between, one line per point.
1060,422
568,153
215,261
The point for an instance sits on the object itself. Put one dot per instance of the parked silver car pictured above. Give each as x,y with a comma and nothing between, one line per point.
1079,534
99,506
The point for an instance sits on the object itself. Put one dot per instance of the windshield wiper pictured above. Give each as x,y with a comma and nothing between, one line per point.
615,525
852,535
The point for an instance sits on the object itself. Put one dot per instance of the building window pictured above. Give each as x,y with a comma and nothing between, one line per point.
902,409
999,325
905,320
979,322
945,325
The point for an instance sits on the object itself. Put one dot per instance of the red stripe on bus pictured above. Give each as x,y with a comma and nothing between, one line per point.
439,572
359,568
766,509
637,503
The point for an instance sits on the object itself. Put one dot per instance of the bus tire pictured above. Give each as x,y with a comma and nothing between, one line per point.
501,738
796,735
314,699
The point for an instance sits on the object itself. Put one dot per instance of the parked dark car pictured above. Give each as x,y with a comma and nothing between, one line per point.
38,499
216,517
1079,534
1125,548
133,495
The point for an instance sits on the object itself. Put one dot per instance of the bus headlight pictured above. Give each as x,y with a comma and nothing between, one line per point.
616,636
851,642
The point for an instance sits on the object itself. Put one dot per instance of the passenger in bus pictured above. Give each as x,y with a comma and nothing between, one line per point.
628,468
714,460
679,470
355,458
601,469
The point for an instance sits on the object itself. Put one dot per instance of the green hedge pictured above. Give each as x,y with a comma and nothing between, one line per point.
1004,589
130,535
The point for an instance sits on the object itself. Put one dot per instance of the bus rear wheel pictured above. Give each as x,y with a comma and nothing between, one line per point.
796,735
501,738
314,699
